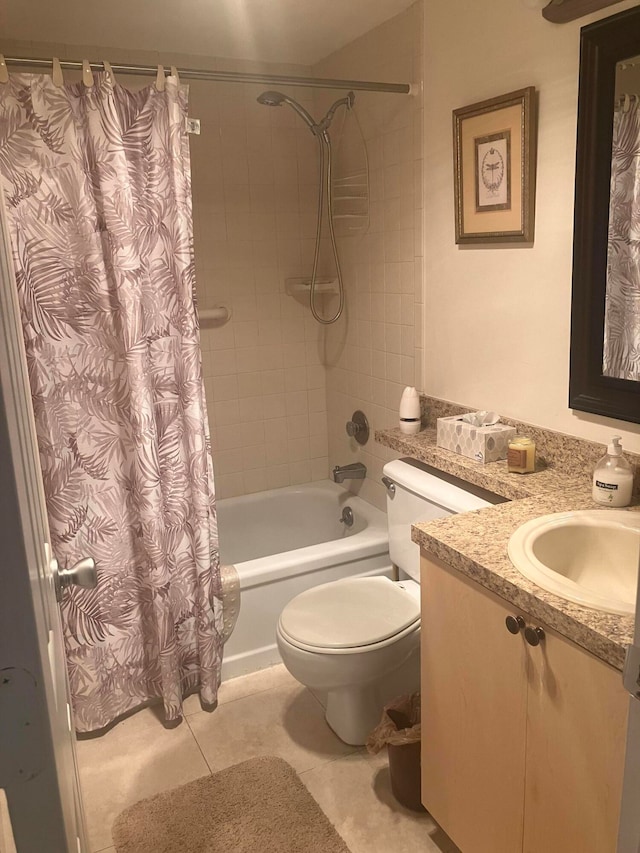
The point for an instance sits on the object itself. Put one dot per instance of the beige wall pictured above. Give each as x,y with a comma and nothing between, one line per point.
375,349
497,319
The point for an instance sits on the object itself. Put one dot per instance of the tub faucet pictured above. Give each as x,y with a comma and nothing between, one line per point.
355,471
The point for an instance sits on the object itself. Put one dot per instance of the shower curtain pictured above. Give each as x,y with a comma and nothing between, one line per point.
97,186
621,358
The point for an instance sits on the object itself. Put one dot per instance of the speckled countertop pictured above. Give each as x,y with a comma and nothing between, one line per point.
494,476
475,543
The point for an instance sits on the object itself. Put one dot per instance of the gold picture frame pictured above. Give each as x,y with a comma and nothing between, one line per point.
494,148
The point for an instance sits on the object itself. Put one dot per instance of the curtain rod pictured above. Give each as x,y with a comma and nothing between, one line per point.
226,76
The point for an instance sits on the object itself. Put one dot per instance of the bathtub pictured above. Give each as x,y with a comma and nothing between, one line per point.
284,541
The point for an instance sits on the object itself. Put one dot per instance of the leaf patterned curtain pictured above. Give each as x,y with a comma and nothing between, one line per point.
621,357
97,186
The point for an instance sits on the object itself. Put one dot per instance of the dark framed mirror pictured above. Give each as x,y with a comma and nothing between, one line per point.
605,311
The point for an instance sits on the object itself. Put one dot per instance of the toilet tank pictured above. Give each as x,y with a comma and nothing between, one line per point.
416,492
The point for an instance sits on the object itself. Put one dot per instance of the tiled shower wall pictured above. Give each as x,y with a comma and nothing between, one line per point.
376,350
254,192
368,357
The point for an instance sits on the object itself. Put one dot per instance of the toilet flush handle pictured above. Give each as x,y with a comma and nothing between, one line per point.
390,485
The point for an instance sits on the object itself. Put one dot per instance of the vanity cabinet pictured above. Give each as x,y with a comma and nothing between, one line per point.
522,746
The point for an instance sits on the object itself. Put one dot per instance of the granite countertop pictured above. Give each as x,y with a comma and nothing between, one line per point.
494,477
475,543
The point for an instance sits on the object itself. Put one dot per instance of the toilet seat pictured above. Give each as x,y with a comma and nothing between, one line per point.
350,616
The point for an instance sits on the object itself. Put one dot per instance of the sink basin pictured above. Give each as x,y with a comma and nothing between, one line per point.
589,557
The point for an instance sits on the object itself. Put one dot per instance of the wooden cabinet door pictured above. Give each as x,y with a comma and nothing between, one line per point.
576,727
473,713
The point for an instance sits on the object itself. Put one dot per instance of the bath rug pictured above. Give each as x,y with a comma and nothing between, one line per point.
258,806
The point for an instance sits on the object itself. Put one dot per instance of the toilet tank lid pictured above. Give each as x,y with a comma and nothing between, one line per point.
350,613
438,487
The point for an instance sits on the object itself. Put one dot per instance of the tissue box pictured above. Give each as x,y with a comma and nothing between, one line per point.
484,444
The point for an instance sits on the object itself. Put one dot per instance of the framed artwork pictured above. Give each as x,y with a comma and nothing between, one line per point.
494,169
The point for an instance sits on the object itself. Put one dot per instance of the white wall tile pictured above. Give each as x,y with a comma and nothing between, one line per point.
379,353
298,427
229,485
317,399
225,388
226,412
320,468
277,452
249,384
300,472
251,433
253,457
274,406
228,461
275,429
255,481
277,476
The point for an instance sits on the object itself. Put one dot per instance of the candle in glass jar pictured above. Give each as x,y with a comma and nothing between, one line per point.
521,456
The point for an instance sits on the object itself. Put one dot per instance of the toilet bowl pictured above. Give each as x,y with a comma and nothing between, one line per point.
357,641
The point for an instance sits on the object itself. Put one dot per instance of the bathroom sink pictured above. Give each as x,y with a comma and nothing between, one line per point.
589,557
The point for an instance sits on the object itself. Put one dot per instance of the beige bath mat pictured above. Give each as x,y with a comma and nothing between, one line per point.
259,806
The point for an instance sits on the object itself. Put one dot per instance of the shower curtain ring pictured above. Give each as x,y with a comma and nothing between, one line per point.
87,74
109,71
56,72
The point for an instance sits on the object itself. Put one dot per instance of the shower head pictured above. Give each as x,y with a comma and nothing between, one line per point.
276,99
271,99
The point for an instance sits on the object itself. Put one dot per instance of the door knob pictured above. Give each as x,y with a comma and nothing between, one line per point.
82,574
514,624
533,636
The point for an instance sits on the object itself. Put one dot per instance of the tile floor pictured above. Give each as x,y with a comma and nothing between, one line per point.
265,713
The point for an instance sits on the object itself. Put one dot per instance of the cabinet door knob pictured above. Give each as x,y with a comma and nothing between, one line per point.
533,636
514,624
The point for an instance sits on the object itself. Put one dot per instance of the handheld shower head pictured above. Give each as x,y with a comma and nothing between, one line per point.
276,99
320,130
271,99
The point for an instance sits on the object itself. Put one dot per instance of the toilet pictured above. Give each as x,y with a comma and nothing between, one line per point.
357,641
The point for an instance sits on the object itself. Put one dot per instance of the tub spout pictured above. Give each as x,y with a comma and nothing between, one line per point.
355,471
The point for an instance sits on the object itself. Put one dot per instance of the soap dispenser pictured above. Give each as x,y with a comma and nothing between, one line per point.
613,477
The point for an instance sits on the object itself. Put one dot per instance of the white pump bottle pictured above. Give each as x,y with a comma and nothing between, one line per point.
410,411
613,477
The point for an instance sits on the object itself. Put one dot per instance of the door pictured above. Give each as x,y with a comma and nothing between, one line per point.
629,835
38,770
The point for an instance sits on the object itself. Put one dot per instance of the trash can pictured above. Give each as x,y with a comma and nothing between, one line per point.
400,731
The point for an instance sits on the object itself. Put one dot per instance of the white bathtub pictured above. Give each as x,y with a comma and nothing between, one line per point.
284,541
